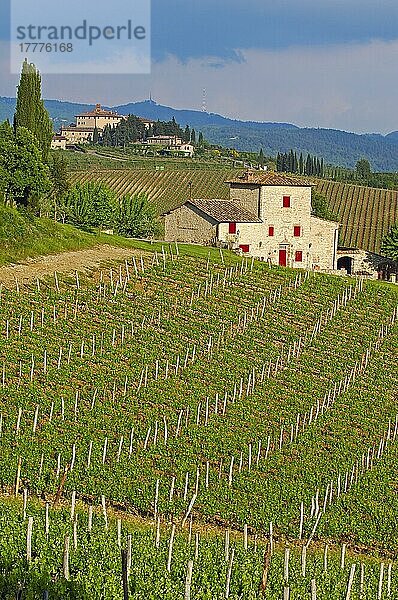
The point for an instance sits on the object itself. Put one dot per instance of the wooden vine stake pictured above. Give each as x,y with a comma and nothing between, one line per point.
18,477
29,540
313,589
188,580
171,542
350,582
229,573
65,565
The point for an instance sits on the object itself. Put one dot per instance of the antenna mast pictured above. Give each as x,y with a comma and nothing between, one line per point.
204,101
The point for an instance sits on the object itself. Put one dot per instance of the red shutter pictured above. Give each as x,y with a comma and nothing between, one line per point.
282,258
298,256
232,228
244,247
297,231
286,201
271,231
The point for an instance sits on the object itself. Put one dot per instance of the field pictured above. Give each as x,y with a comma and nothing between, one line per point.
198,412
366,214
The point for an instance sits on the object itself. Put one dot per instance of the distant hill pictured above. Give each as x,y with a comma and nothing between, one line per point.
336,147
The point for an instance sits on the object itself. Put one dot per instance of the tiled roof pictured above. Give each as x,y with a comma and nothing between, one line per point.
99,112
269,178
74,128
224,211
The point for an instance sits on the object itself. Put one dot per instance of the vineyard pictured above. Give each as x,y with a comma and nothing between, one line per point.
366,214
179,427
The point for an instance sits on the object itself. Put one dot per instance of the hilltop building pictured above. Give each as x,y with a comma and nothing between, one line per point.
82,132
268,216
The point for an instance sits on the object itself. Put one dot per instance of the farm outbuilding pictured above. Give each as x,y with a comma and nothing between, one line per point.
268,216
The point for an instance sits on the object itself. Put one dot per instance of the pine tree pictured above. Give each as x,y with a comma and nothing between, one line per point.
30,111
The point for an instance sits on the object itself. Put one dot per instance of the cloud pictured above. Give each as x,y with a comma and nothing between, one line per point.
347,86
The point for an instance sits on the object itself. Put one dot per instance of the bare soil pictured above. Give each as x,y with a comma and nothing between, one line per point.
66,262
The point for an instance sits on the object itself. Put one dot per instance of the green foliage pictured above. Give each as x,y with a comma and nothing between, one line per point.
320,206
362,168
88,205
22,235
24,177
136,217
30,111
389,246
59,176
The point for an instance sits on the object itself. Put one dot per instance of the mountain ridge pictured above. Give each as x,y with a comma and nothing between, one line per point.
337,147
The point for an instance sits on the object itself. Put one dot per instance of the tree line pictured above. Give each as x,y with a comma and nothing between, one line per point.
34,179
289,162
132,130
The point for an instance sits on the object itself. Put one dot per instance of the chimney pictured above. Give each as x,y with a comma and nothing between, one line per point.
97,107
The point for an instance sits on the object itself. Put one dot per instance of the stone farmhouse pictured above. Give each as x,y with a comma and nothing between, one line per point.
58,142
268,216
172,144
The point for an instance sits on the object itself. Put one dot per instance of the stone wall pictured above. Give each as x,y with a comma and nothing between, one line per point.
247,197
324,239
187,224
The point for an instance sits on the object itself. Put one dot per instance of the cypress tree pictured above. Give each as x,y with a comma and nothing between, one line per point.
193,136
30,111
187,134
301,164
308,165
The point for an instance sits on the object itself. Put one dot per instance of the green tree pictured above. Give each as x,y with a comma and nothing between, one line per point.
89,205
59,180
320,207
24,176
362,168
261,158
95,136
30,111
136,217
389,246
107,136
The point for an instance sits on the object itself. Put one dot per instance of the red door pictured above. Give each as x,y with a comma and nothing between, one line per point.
282,258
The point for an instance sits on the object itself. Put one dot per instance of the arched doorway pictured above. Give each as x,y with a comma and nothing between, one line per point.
345,262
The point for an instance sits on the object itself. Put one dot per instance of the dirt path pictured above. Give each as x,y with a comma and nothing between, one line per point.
66,262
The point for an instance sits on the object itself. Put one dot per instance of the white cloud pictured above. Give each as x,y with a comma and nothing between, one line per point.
352,87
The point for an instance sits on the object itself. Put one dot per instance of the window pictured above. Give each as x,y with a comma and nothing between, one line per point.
232,228
298,257
244,247
271,231
297,231
286,201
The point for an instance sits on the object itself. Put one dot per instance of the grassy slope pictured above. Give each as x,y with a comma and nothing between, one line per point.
22,237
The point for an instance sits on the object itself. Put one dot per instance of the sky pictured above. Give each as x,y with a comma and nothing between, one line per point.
324,63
